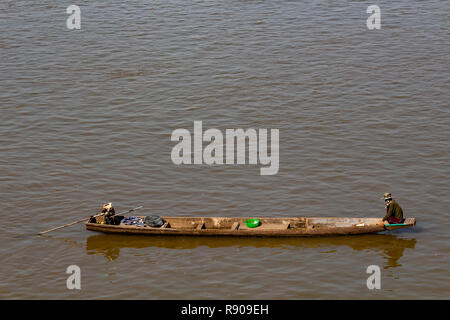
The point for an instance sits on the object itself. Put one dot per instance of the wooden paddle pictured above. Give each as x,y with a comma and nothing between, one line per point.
97,215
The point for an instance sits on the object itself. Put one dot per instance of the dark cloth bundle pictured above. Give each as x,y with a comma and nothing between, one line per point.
133,221
154,221
118,219
114,220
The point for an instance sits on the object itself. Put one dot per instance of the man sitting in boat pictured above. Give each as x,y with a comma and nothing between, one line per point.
394,213
109,213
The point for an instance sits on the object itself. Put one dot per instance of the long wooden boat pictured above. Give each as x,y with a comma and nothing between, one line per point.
233,226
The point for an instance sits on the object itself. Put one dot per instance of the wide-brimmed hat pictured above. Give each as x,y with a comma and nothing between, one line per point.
107,206
387,196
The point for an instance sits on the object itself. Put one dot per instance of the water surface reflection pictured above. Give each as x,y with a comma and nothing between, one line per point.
390,245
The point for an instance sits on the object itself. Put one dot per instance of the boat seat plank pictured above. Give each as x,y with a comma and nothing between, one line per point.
166,225
200,226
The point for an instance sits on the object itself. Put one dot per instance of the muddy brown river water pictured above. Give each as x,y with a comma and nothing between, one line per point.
86,117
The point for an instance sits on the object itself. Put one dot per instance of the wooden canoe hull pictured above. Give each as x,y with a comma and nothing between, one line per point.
270,227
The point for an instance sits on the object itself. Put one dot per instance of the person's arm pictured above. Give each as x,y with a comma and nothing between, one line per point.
398,212
389,213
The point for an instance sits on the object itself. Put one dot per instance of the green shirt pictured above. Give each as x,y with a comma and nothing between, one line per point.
394,210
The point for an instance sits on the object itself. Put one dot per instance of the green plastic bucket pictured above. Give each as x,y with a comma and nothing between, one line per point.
252,223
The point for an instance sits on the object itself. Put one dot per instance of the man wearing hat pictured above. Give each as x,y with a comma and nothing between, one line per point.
109,212
394,213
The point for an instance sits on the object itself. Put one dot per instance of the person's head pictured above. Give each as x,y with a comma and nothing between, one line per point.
107,207
387,197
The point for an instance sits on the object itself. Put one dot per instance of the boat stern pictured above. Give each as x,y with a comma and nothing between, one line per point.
410,222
